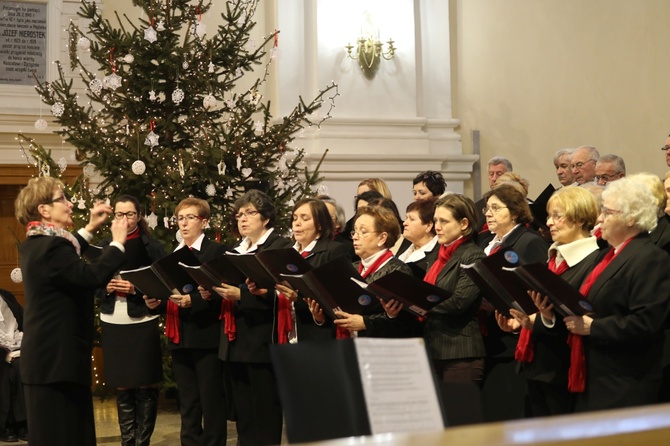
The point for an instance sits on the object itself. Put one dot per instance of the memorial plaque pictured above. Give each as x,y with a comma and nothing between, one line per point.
23,42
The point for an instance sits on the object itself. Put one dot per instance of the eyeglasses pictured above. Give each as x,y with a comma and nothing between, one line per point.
607,178
607,211
580,164
664,148
493,208
555,216
189,218
247,214
361,234
120,215
62,199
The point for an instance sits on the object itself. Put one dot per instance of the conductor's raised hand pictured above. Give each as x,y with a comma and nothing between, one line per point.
99,214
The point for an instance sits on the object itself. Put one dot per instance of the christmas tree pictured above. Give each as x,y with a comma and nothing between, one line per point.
163,118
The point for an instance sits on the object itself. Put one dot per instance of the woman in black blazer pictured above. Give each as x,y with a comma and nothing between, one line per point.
59,311
249,320
129,334
451,331
623,339
419,231
507,217
192,328
312,231
543,350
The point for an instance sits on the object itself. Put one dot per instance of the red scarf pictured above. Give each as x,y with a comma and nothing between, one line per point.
343,333
525,348
444,254
172,321
375,266
284,322
577,370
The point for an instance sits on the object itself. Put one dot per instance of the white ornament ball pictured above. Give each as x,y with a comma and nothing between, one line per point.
84,44
322,190
41,124
209,102
139,167
129,58
62,164
210,190
89,170
16,275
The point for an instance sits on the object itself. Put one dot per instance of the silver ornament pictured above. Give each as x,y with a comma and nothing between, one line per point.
200,30
129,58
152,220
210,67
178,95
160,26
62,164
138,167
113,81
16,275
89,170
57,109
84,44
210,190
41,124
151,140
95,86
209,102
150,34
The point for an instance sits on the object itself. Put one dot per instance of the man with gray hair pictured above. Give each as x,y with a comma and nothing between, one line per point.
497,166
562,164
609,168
583,164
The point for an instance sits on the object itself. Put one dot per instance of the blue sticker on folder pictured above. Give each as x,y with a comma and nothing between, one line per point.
187,288
586,305
291,267
511,257
364,300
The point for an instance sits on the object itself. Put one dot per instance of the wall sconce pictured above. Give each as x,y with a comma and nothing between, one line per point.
369,53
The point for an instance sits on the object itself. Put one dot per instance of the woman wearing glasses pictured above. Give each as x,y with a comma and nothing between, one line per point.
623,338
543,348
249,318
58,314
313,232
129,334
192,327
507,216
375,232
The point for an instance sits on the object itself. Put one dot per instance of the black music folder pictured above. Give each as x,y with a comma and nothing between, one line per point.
567,300
494,276
265,267
214,273
418,297
164,277
332,286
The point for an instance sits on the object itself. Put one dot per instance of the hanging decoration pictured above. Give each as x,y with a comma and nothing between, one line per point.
57,109
16,275
209,102
222,167
210,190
62,164
112,81
152,138
84,43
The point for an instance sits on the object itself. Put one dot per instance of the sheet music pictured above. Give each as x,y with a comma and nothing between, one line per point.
398,385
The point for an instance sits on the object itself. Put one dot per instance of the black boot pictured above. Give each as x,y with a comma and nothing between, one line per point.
125,403
147,407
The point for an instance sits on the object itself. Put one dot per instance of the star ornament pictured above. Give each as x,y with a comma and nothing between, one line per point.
151,140
150,34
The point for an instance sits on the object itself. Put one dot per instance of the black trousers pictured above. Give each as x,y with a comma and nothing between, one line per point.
12,401
60,414
202,404
259,412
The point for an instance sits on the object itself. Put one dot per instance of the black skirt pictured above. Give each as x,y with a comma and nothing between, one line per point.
132,354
